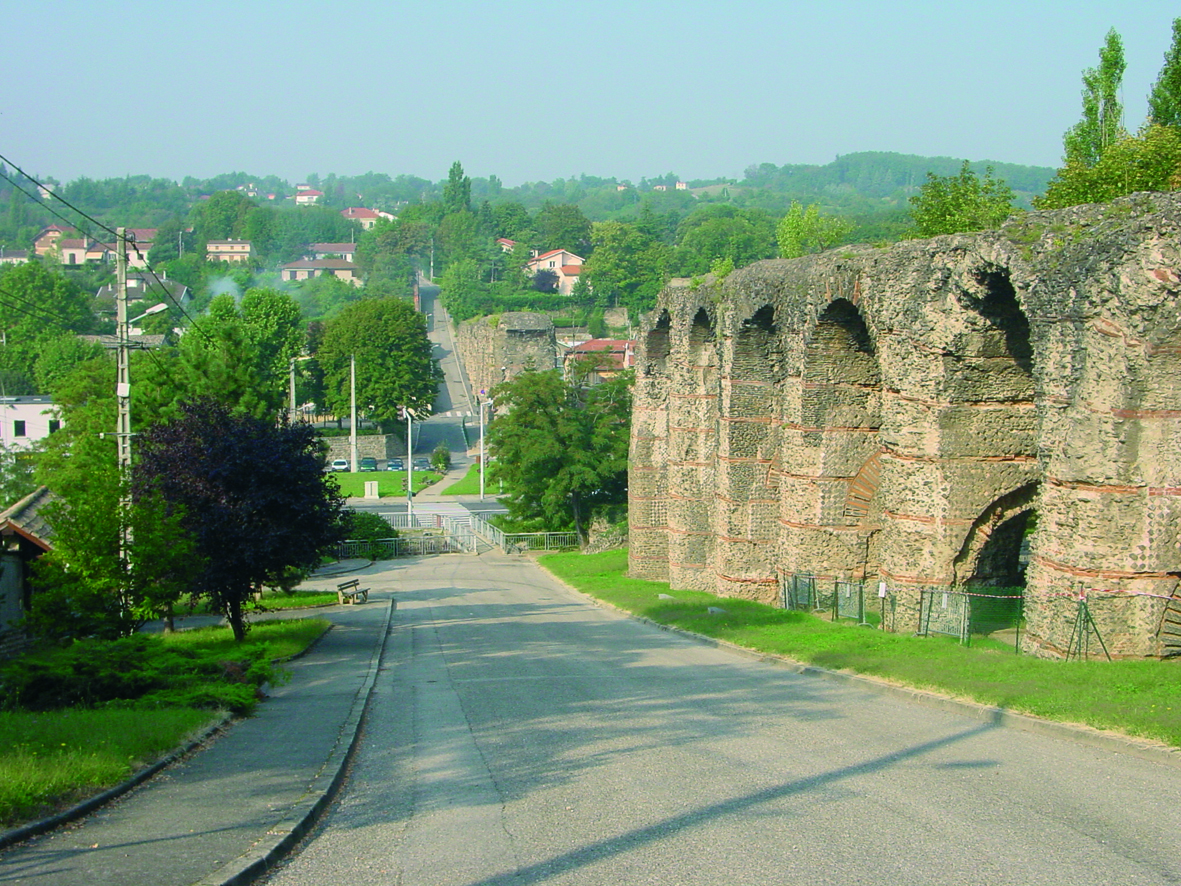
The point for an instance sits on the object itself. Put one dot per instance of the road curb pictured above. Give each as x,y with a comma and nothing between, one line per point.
1144,749
284,834
35,828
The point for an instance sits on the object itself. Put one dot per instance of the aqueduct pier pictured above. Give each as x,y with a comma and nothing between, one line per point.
969,411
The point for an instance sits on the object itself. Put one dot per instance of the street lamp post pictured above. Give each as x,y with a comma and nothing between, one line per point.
480,403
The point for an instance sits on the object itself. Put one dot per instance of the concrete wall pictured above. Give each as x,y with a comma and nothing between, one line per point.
901,414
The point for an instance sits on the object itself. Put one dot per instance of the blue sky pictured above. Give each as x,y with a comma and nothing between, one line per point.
535,91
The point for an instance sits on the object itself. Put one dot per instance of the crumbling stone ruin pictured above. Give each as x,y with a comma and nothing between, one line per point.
496,349
962,412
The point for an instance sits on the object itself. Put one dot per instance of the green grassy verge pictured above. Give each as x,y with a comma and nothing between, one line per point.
1139,698
297,600
469,485
52,759
389,483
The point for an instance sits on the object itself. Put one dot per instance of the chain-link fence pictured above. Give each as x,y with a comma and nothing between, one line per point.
955,613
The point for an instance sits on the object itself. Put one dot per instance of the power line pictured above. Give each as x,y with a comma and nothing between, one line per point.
101,225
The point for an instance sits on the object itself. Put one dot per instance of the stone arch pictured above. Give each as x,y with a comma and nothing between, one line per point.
994,553
840,403
746,503
827,442
658,346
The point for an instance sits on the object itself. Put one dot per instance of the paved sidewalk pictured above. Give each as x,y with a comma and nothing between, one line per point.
231,808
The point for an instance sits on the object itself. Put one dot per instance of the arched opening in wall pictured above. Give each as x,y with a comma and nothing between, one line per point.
1000,308
993,560
701,335
658,346
840,409
1170,626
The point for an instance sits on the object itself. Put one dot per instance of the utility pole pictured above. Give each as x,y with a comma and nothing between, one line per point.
353,406
123,359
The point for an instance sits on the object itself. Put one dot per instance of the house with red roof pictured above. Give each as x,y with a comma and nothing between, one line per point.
599,359
563,263
367,218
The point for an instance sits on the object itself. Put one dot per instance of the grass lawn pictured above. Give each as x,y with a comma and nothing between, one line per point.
469,485
50,760
297,600
1139,698
389,483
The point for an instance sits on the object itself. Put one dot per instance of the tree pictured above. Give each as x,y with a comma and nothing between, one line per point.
560,448
626,266
1148,161
957,203
563,226
16,477
804,230
394,365
276,328
39,304
457,193
1164,102
722,231
251,494
1102,122
220,357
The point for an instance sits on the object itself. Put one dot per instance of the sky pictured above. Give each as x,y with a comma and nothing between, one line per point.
536,91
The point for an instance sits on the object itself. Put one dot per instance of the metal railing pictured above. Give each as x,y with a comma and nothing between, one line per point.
522,541
407,546
960,614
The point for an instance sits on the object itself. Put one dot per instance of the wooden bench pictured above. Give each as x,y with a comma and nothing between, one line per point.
351,592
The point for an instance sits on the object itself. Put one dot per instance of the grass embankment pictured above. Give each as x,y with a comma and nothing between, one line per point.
1139,698
51,759
469,485
390,484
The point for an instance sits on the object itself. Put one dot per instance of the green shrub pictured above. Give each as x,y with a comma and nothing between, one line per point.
131,670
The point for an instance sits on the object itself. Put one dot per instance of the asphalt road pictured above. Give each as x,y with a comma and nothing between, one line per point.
520,735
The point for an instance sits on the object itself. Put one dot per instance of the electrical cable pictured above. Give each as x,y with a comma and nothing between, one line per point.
102,226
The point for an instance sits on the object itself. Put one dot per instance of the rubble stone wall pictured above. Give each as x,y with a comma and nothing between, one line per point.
495,349
974,411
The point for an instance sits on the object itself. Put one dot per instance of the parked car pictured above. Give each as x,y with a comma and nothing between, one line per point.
395,464
368,463
340,464
422,464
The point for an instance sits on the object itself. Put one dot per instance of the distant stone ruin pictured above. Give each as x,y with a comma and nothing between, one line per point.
970,411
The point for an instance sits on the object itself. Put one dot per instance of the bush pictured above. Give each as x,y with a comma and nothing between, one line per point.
441,458
367,526
133,671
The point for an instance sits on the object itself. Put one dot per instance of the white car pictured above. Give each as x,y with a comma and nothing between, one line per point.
340,464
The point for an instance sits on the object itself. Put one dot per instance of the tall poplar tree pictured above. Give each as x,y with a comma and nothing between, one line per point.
1102,122
1164,102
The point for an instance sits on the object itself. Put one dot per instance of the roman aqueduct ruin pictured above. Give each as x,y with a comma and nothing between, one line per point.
980,410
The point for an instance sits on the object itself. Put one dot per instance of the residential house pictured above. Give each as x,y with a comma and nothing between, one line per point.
307,196
46,241
229,250
565,265
71,251
608,357
26,420
24,536
366,217
305,269
143,286
347,251
13,256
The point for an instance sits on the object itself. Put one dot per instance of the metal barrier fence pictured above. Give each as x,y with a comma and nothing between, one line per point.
961,614
409,546
522,541
838,597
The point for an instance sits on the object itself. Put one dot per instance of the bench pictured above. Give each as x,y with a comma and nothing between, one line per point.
351,592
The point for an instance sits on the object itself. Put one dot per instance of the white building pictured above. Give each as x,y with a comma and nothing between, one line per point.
25,421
